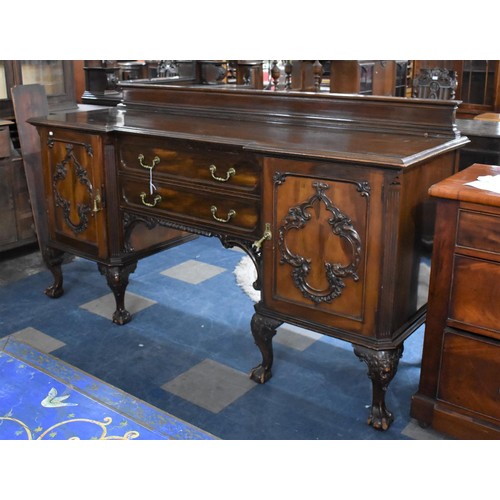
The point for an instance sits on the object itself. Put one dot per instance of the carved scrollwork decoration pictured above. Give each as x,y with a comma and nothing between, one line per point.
341,226
254,252
363,188
51,140
131,220
279,178
60,174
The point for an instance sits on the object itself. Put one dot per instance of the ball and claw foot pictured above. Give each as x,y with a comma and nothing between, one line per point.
380,418
54,291
121,317
260,374
53,260
117,279
263,331
382,367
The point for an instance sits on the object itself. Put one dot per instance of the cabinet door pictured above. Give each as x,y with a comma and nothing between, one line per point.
323,264
75,190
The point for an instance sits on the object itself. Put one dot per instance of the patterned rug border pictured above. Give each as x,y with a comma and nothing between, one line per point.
133,408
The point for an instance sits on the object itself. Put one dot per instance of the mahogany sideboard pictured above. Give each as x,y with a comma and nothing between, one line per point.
325,192
459,390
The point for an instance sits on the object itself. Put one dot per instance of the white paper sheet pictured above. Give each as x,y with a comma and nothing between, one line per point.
487,182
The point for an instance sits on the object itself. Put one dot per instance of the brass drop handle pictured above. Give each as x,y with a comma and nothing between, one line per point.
156,160
230,214
156,199
229,173
266,236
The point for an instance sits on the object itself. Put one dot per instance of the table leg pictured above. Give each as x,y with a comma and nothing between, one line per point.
53,260
263,331
117,278
382,366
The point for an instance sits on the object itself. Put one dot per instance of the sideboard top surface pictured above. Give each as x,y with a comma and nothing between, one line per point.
389,132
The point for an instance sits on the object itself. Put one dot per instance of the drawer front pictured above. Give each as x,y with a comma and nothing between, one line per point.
470,373
211,211
474,297
191,162
479,231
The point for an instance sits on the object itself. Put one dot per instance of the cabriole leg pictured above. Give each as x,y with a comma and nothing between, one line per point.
263,331
117,278
53,260
382,366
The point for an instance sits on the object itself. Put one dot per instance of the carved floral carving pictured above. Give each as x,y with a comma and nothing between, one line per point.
60,174
341,226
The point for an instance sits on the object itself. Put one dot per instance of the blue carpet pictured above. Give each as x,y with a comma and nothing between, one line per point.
320,391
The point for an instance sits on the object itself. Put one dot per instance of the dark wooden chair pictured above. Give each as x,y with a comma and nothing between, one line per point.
435,83
249,73
30,101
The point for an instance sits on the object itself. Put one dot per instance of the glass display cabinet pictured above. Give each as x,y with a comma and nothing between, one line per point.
55,76
478,85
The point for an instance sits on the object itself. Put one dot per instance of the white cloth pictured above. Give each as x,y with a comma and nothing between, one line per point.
246,274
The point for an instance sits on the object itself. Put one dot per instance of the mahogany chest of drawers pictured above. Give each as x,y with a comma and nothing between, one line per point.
459,392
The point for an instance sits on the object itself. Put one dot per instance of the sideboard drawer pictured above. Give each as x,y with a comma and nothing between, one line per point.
474,295
470,373
479,231
190,161
210,210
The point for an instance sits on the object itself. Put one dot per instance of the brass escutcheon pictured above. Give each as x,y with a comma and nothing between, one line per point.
230,214
97,202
